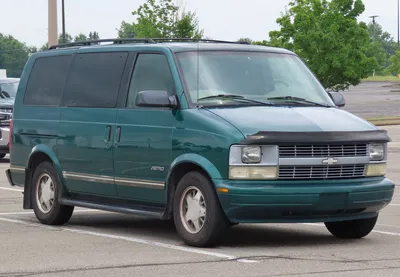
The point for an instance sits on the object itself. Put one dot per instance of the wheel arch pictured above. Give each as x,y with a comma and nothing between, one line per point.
181,166
40,153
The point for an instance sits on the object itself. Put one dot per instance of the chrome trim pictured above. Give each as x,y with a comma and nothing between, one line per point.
319,161
88,177
139,183
322,172
111,180
320,151
15,168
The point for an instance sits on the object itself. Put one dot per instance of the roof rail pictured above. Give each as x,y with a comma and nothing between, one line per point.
91,42
196,40
143,40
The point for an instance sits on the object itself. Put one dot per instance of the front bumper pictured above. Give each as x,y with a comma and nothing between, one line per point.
302,201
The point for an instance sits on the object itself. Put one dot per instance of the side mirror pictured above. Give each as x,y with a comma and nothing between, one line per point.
155,98
337,98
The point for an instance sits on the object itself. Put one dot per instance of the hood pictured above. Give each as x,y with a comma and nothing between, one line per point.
7,103
250,120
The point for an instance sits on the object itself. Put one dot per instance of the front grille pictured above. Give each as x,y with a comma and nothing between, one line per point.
304,151
321,172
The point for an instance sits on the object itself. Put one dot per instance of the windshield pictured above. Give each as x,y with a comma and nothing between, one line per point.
9,90
253,75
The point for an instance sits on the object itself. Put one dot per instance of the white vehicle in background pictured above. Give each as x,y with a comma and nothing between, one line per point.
8,91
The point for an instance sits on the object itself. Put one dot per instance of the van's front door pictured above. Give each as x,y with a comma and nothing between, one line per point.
142,155
87,124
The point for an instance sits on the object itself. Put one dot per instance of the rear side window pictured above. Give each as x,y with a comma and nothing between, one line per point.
94,80
46,81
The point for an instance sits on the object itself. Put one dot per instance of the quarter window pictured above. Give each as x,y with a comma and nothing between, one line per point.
46,81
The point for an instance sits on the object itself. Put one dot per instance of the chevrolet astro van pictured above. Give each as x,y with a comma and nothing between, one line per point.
206,133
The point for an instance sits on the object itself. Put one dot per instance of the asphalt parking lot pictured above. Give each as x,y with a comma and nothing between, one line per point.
373,99
96,243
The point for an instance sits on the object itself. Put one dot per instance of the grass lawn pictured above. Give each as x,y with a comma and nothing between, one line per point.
382,79
385,120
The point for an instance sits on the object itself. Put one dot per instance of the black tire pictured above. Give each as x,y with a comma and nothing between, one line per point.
354,229
214,224
58,214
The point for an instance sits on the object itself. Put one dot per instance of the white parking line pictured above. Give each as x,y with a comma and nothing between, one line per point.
374,231
11,189
132,239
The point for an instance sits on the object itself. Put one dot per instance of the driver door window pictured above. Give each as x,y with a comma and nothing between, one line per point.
151,72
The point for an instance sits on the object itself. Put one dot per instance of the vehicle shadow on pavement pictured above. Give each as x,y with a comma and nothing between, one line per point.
5,161
271,235
274,235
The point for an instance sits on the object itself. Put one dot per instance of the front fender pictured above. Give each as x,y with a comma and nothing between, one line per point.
198,160
195,159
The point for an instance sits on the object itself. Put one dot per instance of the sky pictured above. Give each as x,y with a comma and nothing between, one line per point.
26,20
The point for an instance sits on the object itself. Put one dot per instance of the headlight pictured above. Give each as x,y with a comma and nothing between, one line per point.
376,152
253,172
375,170
251,155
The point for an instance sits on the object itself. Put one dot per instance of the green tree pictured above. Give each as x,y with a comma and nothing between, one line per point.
81,37
377,51
327,36
254,42
161,19
94,36
13,55
69,39
394,64
247,40
383,45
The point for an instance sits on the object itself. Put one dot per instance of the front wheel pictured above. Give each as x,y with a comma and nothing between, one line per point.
354,229
46,186
199,219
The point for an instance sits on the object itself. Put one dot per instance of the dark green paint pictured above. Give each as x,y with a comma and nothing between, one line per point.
74,140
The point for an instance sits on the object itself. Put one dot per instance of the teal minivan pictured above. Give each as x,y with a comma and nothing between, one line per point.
206,133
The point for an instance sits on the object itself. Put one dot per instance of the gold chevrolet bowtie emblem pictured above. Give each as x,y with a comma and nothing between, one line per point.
330,161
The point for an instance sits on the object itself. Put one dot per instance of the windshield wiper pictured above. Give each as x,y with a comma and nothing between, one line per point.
235,96
298,99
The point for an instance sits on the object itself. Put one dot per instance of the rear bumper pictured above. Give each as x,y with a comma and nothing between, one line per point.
281,202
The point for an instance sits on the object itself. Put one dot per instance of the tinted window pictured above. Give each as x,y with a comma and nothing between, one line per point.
151,72
94,80
46,81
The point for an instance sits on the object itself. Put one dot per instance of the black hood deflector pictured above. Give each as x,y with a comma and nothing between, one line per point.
304,138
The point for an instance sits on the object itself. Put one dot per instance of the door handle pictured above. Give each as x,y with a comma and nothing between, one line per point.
108,134
118,134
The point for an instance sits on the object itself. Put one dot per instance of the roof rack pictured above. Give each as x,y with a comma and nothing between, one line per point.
196,40
91,42
134,40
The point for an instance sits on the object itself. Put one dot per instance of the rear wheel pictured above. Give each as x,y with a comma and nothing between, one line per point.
199,219
354,229
45,192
